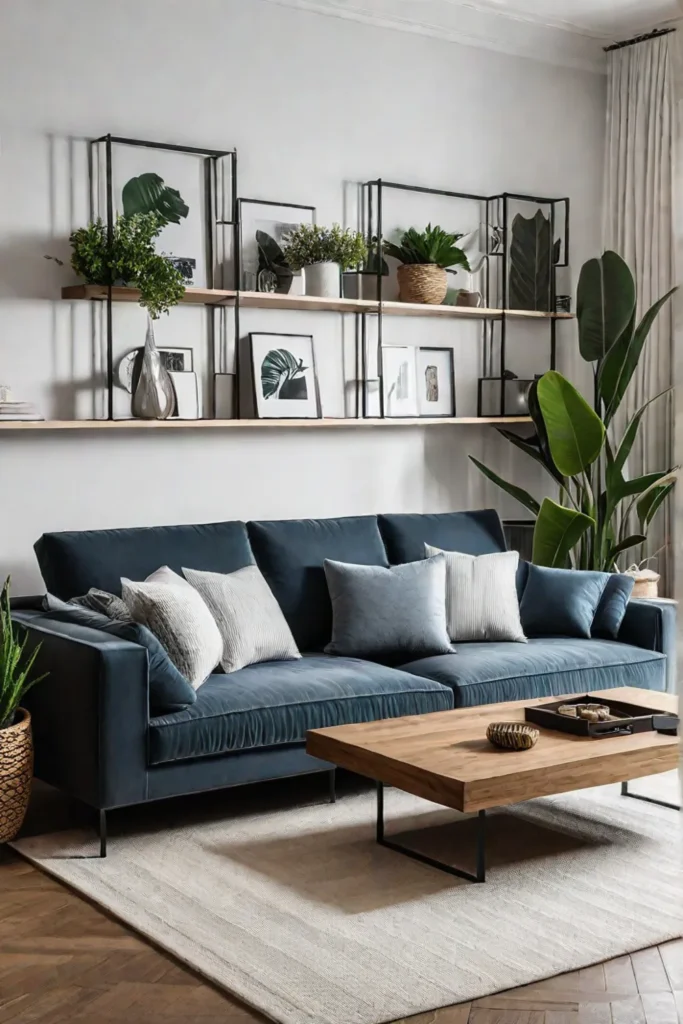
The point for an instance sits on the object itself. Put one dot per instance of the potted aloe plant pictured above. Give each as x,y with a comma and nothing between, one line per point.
16,744
323,254
424,257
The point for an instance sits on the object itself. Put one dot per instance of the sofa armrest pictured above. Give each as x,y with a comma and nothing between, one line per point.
651,624
90,715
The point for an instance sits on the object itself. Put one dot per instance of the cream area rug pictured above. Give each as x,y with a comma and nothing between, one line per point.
299,913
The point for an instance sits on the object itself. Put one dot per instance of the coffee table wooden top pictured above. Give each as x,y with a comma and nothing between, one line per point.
445,756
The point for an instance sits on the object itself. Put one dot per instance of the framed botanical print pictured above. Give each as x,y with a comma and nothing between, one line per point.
399,388
284,376
435,382
263,226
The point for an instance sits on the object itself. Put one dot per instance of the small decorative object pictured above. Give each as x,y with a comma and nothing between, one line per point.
467,298
224,395
323,254
646,581
515,394
13,410
512,735
130,259
186,390
363,284
284,377
563,303
435,382
590,712
532,257
185,265
153,394
16,745
399,370
424,257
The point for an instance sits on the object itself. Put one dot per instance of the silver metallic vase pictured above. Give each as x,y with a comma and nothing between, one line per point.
153,394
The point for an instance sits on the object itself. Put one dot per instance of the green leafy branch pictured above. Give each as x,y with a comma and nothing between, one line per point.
16,665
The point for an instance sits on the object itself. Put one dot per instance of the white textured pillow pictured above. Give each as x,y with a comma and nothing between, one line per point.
249,618
481,595
180,620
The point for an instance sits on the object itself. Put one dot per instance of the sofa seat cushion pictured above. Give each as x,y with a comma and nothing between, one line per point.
276,702
485,673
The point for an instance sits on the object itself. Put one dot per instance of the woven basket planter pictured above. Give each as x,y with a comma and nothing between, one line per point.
646,583
422,282
16,773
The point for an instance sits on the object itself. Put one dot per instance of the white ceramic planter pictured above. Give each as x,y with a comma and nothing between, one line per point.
322,279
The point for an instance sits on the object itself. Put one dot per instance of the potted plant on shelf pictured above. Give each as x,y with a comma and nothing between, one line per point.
16,745
601,512
322,254
424,257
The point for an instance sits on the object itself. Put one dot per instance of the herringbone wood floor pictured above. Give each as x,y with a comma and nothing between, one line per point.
64,960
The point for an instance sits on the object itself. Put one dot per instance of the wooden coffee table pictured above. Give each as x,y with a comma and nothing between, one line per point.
445,757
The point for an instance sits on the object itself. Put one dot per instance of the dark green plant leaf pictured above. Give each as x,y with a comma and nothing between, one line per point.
539,423
605,302
575,431
431,246
618,366
649,504
558,530
532,448
148,194
530,263
518,493
629,542
279,366
631,432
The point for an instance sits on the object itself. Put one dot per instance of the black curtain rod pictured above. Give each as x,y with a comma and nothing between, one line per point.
639,39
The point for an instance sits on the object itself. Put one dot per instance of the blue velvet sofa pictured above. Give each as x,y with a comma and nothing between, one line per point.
97,739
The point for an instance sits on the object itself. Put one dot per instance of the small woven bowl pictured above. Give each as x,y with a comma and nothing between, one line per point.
512,735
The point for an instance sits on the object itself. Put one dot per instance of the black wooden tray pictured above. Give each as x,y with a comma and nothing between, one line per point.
626,720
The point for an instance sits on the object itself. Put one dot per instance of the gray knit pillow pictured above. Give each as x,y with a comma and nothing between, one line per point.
180,620
249,618
481,595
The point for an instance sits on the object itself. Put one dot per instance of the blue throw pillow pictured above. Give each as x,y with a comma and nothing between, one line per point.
612,607
561,602
169,690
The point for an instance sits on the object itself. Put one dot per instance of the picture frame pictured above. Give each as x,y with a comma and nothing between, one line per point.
263,270
284,376
399,382
175,360
435,375
186,388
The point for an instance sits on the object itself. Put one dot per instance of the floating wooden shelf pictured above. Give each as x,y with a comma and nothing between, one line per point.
324,424
273,300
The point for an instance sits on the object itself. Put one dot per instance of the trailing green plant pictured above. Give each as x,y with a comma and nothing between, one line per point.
590,525
130,259
309,243
432,246
16,664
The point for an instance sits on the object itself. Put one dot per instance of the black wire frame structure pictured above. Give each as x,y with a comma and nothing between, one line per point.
496,212
213,161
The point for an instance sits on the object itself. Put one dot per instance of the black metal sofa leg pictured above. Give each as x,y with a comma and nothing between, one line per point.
332,782
103,833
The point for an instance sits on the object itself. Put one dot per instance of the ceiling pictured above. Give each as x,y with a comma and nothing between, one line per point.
602,19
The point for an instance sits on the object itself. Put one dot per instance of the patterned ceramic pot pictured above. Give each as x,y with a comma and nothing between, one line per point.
16,773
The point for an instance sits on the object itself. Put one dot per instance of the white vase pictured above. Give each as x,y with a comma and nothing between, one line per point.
322,279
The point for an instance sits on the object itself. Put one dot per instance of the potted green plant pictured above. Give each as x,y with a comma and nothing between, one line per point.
16,744
601,512
323,254
424,257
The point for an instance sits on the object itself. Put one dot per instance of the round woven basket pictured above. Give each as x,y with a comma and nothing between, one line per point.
16,773
646,582
422,282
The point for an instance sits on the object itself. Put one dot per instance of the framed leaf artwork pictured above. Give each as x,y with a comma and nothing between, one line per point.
284,376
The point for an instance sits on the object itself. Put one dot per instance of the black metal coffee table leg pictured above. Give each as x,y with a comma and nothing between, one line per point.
648,799
480,875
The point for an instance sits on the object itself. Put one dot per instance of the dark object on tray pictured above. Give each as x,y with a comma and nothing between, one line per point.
512,735
625,719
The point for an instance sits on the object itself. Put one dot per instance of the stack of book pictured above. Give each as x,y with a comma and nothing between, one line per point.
11,410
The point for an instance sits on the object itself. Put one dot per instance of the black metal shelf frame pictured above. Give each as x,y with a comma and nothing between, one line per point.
372,201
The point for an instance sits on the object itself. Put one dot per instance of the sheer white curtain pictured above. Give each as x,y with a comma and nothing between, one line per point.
639,226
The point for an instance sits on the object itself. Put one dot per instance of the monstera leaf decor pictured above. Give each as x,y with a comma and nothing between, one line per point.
530,263
282,376
148,193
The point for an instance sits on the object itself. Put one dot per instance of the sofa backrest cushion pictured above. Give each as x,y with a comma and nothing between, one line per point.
473,533
290,554
73,562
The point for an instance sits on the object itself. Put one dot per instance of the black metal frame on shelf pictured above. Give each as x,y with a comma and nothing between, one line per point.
211,158
372,214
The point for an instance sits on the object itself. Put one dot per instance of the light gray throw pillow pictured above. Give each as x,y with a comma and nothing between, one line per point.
179,619
248,617
481,595
393,614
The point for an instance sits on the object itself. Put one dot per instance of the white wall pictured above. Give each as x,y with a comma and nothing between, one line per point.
312,104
